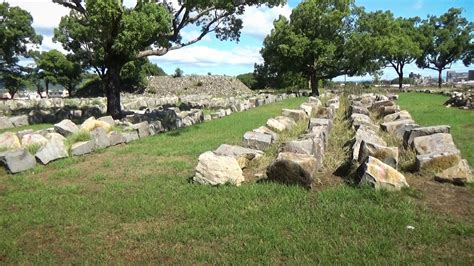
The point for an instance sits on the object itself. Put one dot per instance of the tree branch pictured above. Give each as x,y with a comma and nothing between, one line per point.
72,4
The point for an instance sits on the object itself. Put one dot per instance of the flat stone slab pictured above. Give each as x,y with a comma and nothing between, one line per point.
5,122
379,175
391,127
368,136
33,139
438,160
402,115
266,130
17,160
459,174
241,154
388,155
83,147
116,138
66,127
296,114
130,136
100,138
20,120
256,140
411,134
142,128
321,122
53,150
435,143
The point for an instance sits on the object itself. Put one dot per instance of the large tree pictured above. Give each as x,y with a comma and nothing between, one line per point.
394,41
16,33
318,41
105,35
448,38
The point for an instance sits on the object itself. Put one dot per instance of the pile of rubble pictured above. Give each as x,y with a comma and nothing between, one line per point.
297,160
464,100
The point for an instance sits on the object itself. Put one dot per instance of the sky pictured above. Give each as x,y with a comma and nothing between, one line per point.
232,58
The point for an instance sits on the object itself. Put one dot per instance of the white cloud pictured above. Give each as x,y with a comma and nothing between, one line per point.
208,57
258,22
46,14
418,4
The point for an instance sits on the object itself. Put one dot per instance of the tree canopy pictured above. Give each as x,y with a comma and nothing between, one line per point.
447,39
105,35
318,42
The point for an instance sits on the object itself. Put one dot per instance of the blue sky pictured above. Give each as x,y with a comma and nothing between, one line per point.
231,58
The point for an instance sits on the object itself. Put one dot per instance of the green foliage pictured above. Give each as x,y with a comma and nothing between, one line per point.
446,39
81,135
394,41
134,74
329,47
178,73
248,79
16,33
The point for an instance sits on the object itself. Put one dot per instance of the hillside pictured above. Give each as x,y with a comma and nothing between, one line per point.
191,85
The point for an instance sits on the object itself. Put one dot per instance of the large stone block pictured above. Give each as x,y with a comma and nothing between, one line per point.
256,140
439,142
83,147
142,128
91,123
365,135
53,150
241,154
402,115
33,139
459,174
17,160
215,170
116,138
379,175
293,169
391,127
266,130
5,122
411,134
297,115
388,155
20,120
66,127
9,141
100,138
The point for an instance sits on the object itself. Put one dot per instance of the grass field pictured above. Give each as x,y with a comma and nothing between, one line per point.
428,109
134,204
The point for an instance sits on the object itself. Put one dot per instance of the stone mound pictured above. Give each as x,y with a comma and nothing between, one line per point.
217,86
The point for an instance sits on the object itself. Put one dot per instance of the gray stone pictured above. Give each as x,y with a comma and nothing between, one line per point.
116,138
100,138
439,142
241,154
379,175
359,110
142,128
33,139
411,134
266,130
83,147
22,133
391,127
9,141
130,136
402,115
20,120
293,169
66,127
5,122
215,170
17,161
368,136
321,122
297,115
438,160
53,150
256,140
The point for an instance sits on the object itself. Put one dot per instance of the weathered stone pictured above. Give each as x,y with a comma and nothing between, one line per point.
459,174
376,105
116,138
368,136
313,146
91,123
9,141
438,160
326,113
83,147
215,170
266,130
107,119
379,175
53,150
400,131
33,139
310,108
22,133
359,110
388,155
142,128
66,127
392,126
402,115
5,122
17,160
297,115
100,138
321,122
410,135
293,169
256,140
130,136
439,142
276,125
241,154
20,120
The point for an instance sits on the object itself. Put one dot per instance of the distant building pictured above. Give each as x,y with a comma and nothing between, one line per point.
454,77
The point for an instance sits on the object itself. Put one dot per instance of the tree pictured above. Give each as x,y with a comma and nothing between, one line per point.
448,38
178,73
394,41
16,33
317,42
248,79
57,68
105,35
134,75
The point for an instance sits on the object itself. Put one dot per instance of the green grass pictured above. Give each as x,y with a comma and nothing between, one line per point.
34,127
134,204
428,109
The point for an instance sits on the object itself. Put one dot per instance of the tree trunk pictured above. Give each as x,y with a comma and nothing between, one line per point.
314,84
38,90
46,86
440,78
112,90
400,80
